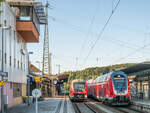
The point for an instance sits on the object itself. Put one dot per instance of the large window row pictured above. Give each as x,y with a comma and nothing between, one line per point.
13,57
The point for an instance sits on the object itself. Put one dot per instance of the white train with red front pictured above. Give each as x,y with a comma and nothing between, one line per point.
112,88
78,90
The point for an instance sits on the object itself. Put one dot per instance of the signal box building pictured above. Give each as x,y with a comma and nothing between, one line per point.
22,19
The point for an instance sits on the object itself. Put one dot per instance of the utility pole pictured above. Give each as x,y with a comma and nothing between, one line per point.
58,68
52,83
46,69
46,55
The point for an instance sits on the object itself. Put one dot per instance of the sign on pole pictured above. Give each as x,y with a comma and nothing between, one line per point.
36,93
3,74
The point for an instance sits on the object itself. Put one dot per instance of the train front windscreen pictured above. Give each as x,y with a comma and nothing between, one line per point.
120,83
79,86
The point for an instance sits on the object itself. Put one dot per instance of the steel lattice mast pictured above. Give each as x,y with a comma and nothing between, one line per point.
46,56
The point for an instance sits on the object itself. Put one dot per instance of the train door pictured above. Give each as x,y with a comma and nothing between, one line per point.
95,90
102,92
99,90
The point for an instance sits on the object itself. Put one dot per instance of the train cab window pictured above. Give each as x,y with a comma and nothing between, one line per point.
120,82
79,86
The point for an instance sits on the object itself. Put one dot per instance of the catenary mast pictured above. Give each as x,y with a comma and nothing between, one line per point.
46,54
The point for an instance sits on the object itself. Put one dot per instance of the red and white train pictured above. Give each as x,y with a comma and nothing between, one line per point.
78,90
112,88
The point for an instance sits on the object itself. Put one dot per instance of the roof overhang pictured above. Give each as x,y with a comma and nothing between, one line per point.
63,76
137,68
22,3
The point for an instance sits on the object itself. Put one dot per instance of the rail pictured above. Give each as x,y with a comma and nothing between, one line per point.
91,108
76,108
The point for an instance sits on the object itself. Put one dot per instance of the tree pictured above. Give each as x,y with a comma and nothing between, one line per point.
93,72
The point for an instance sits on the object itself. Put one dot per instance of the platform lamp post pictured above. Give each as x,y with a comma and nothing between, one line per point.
2,87
28,80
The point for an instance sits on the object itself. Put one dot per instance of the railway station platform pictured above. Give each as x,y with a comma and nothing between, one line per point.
49,105
141,105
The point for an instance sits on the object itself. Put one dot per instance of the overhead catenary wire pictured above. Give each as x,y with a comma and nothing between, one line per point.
102,31
126,44
137,50
80,29
71,26
89,30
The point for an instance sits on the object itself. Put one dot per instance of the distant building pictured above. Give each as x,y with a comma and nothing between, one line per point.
23,19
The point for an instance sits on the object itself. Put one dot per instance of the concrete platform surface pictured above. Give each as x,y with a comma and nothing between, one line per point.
50,105
141,105
142,102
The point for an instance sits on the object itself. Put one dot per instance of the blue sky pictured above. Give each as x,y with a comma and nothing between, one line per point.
77,25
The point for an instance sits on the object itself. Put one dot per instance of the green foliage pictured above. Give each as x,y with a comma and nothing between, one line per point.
2,1
66,87
94,72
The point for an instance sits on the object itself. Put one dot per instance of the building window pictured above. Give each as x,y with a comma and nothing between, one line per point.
17,89
0,55
18,64
14,62
24,13
24,67
10,60
5,58
21,65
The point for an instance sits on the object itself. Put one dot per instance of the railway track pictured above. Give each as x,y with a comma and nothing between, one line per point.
126,110
93,106
111,109
76,108
83,108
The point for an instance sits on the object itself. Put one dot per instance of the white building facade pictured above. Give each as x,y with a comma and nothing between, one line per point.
14,56
23,22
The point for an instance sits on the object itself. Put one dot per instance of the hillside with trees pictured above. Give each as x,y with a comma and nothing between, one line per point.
94,72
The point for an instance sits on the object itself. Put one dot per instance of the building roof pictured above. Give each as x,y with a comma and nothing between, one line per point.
33,68
137,68
22,2
63,76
